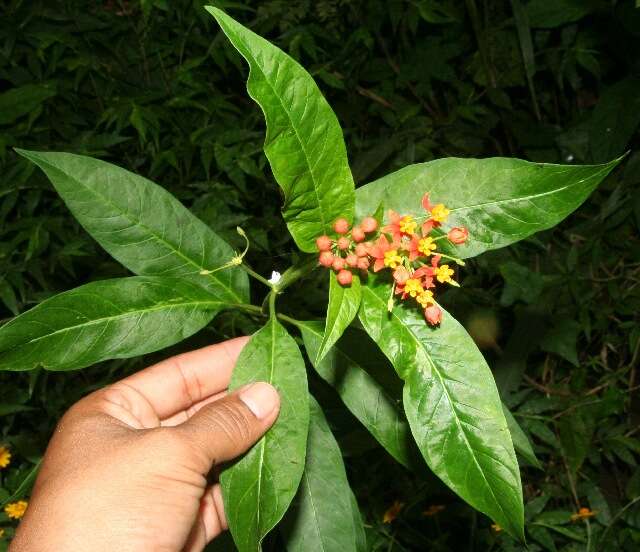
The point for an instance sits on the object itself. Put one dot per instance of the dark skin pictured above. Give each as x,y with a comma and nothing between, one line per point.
126,467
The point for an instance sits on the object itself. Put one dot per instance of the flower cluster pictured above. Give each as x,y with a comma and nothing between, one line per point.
348,251
406,246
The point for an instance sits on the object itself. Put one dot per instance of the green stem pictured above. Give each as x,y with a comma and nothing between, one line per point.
255,309
454,259
290,320
257,276
272,303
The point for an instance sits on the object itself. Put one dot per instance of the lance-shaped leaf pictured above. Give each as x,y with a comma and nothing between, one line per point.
344,302
521,442
142,225
369,388
304,142
321,517
452,405
499,200
259,487
118,318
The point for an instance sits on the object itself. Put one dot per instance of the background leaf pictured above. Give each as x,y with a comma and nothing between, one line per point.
23,100
499,200
521,442
363,378
119,318
452,405
615,119
140,224
304,142
321,516
344,302
259,487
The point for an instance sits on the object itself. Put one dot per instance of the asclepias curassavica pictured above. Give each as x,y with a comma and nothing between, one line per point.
388,248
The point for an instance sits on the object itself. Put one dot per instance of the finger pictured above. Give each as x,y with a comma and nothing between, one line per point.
184,415
210,522
181,381
226,428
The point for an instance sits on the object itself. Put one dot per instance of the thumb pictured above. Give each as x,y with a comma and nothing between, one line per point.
228,427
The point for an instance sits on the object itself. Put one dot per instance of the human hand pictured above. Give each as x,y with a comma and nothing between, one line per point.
127,466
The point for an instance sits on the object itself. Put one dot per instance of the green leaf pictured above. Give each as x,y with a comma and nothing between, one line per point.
25,485
23,100
259,487
452,405
615,119
141,224
545,14
362,377
562,340
499,200
119,318
361,535
304,142
521,442
344,302
321,516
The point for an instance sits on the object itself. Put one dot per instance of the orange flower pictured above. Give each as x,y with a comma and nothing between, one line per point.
384,253
438,212
400,226
392,512
582,513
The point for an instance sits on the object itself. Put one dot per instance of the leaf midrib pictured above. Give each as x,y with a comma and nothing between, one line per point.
106,319
446,392
155,235
533,196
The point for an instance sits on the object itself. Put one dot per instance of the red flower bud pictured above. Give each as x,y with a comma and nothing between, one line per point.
458,235
344,243
323,243
363,263
361,250
338,263
352,260
341,226
344,277
433,314
369,224
357,234
326,258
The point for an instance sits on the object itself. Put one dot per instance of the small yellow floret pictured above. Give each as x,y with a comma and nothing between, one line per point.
392,259
408,225
425,298
413,287
444,273
16,510
439,212
5,457
426,246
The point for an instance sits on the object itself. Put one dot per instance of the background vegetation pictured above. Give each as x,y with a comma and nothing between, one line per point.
154,87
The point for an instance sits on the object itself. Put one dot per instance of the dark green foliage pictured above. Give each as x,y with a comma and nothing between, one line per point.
145,86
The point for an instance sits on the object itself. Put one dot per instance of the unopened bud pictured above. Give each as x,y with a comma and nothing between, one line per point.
369,224
326,258
345,278
323,243
341,226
